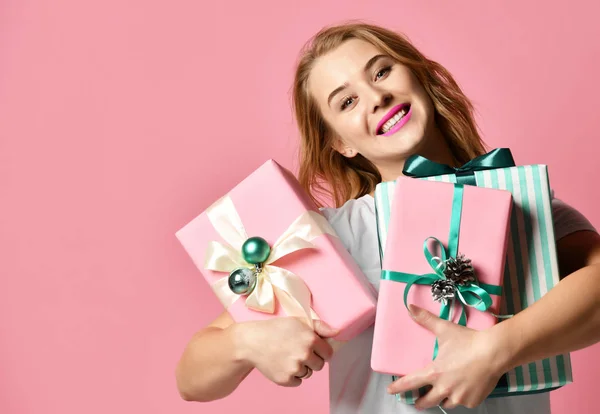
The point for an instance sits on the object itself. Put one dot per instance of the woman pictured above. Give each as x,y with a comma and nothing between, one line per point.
350,79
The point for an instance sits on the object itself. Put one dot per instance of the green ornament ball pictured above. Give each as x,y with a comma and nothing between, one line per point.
256,250
242,281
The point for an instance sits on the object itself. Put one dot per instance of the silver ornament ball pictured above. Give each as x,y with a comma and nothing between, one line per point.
242,281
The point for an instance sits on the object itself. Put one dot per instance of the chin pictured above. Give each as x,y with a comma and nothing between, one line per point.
405,143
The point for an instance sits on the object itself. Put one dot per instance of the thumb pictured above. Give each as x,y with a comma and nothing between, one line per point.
426,319
324,330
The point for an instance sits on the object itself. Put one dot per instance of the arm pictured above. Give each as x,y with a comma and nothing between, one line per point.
213,351
219,357
567,318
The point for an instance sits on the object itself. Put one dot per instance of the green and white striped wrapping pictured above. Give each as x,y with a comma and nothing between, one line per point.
531,268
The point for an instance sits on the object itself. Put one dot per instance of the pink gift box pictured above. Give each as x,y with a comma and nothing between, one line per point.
267,202
422,209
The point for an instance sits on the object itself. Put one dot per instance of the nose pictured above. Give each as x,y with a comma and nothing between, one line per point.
381,99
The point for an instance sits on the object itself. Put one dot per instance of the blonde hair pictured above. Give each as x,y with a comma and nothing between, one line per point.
323,170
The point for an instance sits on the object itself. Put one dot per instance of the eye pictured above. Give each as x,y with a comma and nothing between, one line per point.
347,101
382,72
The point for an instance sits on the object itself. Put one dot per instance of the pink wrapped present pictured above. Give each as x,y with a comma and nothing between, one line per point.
445,250
266,250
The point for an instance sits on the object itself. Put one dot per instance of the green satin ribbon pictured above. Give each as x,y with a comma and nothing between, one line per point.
419,167
476,295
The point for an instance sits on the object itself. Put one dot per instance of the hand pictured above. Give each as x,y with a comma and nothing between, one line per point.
465,371
283,349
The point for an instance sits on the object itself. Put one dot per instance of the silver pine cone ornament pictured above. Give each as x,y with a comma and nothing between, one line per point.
442,290
459,270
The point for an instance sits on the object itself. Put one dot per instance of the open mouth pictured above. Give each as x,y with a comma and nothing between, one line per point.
393,119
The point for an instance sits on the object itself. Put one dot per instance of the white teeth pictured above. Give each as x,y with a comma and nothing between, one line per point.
389,124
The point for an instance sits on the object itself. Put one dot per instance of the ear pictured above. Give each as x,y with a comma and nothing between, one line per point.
343,148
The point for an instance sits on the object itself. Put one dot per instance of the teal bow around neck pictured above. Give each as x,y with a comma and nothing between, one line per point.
419,167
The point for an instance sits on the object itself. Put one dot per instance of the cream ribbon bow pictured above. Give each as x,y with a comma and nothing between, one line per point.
273,282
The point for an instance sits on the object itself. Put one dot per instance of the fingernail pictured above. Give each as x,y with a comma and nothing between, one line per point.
331,328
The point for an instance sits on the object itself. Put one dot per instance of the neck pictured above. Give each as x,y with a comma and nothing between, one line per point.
435,148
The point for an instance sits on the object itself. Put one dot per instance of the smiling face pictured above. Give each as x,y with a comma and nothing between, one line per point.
375,106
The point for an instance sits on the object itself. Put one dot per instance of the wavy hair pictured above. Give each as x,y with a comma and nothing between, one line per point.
324,171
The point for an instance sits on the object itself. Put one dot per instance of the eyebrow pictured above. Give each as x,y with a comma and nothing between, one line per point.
368,66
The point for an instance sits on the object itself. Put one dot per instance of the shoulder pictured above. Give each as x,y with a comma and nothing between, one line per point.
352,210
568,219
352,218
578,243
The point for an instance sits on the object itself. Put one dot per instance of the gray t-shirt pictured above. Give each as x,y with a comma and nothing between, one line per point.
354,387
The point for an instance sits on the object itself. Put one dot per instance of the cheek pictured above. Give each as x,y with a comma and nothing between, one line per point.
423,108
428,109
425,101
345,125
356,120
354,127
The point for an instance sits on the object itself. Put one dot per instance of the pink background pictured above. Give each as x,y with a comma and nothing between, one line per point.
120,121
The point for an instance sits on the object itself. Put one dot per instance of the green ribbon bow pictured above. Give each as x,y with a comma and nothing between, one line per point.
419,167
476,295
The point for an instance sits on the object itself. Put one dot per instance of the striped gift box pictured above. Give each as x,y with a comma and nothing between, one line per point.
531,268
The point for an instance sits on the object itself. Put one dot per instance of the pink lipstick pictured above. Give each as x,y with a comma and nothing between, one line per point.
399,124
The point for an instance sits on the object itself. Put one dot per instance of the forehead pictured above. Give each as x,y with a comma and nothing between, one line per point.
338,66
